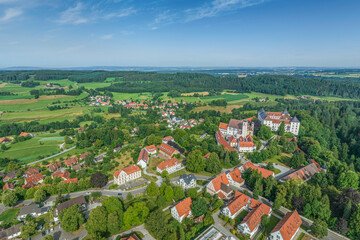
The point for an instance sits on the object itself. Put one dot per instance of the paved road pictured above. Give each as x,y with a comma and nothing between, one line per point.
66,150
219,223
59,233
159,178
141,229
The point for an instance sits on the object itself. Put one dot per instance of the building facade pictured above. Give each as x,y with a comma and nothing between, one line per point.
127,174
274,120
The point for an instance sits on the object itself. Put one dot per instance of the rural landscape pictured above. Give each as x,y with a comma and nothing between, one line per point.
179,120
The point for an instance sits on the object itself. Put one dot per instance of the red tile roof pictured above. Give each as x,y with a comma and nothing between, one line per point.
206,155
31,171
4,139
288,225
183,208
221,140
71,161
8,186
303,173
168,163
70,180
223,125
246,142
54,166
144,155
236,175
238,203
150,148
264,172
167,149
59,174
83,156
253,219
168,138
34,178
128,170
24,134
218,180
254,203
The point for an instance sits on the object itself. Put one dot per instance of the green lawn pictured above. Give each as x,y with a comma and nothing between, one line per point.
134,96
240,217
226,97
93,85
31,150
9,215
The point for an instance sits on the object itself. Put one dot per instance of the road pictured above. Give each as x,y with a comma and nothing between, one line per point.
55,155
141,229
219,223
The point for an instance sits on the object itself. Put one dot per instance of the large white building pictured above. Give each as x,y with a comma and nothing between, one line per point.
170,165
237,128
251,222
274,120
127,174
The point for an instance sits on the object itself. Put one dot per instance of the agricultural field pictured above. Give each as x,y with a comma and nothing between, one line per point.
41,145
94,85
227,97
133,96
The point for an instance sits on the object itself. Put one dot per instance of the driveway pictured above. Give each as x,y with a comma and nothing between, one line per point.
141,229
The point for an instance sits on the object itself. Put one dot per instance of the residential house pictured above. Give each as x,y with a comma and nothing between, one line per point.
32,210
100,158
143,158
12,232
246,144
8,186
77,167
187,181
220,186
31,171
167,139
65,175
235,178
264,172
71,161
151,149
117,149
127,174
274,120
54,166
10,175
5,140
166,151
221,141
206,156
83,156
251,222
70,180
170,165
33,180
25,134
182,209
287,228
132,237
239,203
78,200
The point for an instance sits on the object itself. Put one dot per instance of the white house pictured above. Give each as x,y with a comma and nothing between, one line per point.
127,174
187,181
239,203
32,210
151,149
235,178
251,222
143,158
287,228
182,209
12,232
170,165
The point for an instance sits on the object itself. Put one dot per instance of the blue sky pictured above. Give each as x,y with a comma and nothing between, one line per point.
240,33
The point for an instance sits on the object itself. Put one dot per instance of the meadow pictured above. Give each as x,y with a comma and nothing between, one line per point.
41,145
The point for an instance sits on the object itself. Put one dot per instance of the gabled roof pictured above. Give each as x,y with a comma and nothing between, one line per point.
222,178
168,138
234,123
34,178
288,225
71,161
70,180
128,170
150,148
144,155
184,207
187,178
254,203
31,171
206,155
303,173
83,156
223,126
59,174
246,142
253,219
236,175
54,166
168,163
167,149
8,186
264,172
24,134
221,140
238,203
78,200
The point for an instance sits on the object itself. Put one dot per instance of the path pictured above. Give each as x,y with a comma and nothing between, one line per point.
141,229
159,178
219,223
55,155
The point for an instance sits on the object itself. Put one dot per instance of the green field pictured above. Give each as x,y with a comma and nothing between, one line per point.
9,215
93,85
38,147
134,96
226,97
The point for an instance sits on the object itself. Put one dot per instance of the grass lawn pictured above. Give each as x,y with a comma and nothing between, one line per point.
276,159
9,215
134,96
240,217
226,97
93,85
154,161
31,150
124,160
271,224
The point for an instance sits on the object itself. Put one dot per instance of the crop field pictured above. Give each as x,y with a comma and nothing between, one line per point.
44,115
62,82
134,96
93,85
30,150
226,97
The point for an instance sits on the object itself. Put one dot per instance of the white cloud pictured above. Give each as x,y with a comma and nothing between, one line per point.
122,13
10,13
218,6
73,15
107,37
